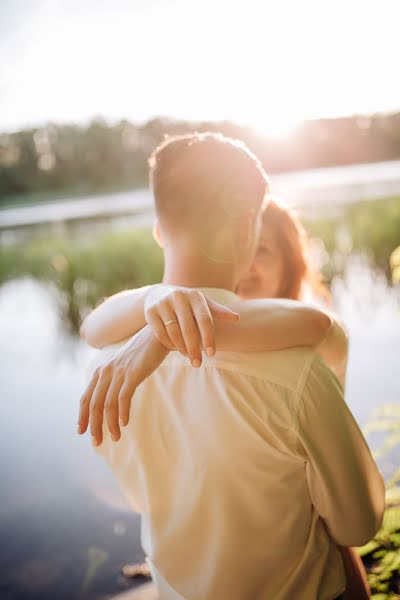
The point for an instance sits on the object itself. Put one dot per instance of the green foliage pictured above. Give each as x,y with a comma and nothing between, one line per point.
370,227
86,271
381,555
99,157
395,265
77,159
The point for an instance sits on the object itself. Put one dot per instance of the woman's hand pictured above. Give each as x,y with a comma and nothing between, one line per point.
112,386
183,319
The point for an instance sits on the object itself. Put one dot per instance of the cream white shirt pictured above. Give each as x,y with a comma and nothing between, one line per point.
247,472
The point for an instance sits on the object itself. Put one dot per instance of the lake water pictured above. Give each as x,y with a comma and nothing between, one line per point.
60,513
64,528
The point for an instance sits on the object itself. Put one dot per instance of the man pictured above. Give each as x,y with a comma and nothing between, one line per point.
249,471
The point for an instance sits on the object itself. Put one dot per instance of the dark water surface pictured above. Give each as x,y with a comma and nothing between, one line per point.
65,531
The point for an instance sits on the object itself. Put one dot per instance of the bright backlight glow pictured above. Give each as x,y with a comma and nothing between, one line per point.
269,63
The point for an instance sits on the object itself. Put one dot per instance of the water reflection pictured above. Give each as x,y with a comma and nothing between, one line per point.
59,505
64,528
370,310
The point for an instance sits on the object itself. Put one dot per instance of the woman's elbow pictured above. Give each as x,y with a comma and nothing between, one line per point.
90,337
321,324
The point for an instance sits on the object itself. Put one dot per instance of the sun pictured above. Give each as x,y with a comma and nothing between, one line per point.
276,127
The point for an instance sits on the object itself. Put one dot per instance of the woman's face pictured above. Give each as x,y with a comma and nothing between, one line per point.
266,274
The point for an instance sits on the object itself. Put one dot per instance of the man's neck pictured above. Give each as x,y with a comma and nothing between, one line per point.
197,274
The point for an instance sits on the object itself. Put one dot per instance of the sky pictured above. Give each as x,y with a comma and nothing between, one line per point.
268,63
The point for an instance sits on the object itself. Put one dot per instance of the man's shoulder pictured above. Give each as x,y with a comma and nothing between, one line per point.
287,368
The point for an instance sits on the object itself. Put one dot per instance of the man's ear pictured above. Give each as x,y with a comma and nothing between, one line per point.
157,233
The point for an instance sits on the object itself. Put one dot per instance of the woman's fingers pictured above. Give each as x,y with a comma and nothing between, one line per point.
187,334
111,407
157,324
173,330
83,419
221,312
124,400
191,335
205,323
190,322
97,405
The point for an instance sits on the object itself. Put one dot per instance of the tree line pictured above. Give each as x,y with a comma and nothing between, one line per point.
101,157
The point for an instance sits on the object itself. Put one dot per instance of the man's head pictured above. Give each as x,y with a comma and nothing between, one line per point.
209,191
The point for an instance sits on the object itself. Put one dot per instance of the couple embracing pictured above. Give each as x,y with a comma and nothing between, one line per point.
218,399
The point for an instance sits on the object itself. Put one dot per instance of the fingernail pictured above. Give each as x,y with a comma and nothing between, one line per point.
122,423
196,363
94,441
114,437
79,429
210,351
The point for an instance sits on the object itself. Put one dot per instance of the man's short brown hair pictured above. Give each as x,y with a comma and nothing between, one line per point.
201,177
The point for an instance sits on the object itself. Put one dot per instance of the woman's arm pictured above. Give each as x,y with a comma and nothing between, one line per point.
122,315
275,324
267,324
117,318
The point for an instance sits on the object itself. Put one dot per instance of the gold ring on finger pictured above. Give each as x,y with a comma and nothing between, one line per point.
170,322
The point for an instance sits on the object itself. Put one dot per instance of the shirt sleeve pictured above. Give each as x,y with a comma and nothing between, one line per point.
345,485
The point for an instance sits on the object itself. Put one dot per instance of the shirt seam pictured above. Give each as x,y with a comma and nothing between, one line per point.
300,401
229,367
304,375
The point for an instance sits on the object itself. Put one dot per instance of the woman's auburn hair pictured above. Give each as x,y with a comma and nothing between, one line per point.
293,243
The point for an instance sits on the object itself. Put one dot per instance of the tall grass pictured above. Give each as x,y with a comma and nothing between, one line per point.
87,269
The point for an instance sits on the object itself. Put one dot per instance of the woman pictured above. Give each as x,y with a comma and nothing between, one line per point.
281,269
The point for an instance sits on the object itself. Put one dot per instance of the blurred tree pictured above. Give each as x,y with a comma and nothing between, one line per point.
101,157
395,265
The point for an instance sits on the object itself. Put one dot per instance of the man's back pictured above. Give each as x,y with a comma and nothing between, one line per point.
247,472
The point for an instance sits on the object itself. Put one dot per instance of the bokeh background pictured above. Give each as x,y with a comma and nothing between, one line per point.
87,90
